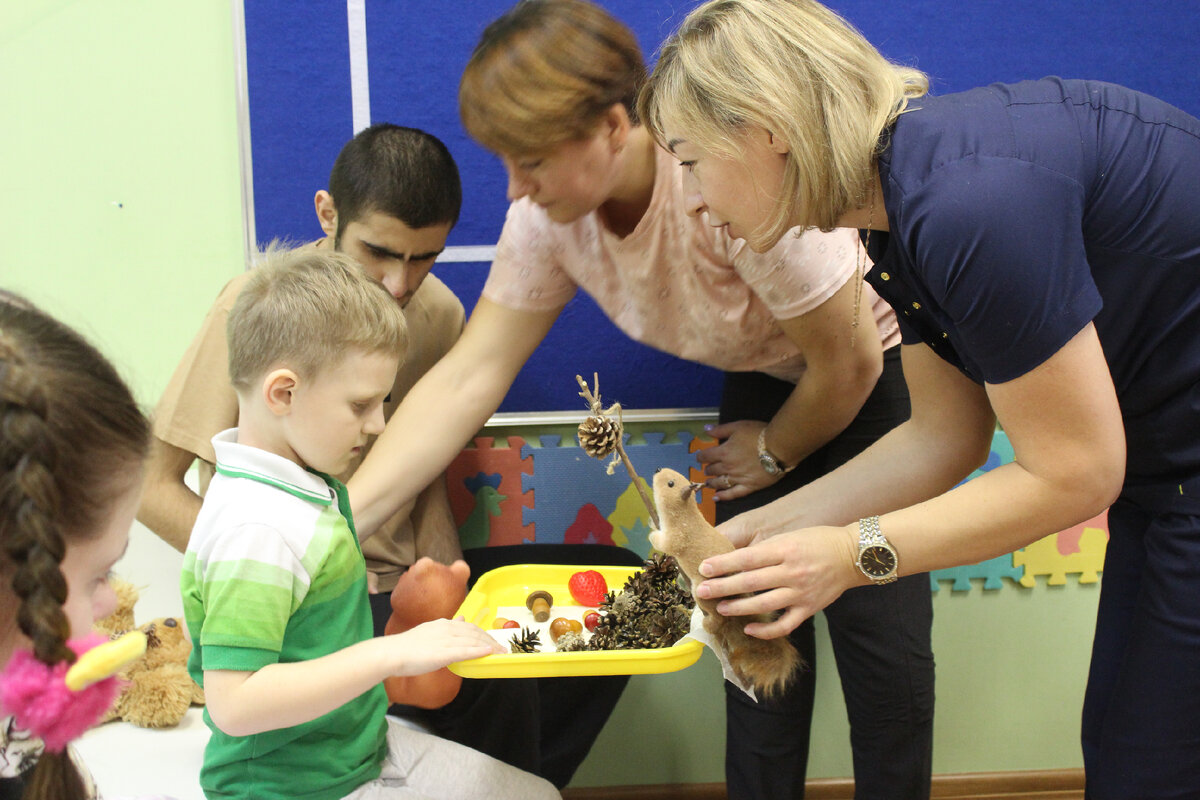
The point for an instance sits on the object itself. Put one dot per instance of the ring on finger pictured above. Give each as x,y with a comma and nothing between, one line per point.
728,483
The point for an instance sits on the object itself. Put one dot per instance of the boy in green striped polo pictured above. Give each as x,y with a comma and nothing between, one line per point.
274,583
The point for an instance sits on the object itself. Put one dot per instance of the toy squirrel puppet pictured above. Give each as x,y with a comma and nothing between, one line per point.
765,664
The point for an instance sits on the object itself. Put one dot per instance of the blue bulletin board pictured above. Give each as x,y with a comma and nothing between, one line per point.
320,70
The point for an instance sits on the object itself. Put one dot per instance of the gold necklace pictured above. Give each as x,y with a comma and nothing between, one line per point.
860,270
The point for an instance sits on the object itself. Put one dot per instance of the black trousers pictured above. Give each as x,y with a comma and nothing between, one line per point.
542,725
1141,738
880,637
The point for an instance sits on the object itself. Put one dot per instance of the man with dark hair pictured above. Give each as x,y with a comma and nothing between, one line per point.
392,184
394,194
401,172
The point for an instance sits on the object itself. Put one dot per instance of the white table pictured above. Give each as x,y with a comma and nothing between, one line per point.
132,762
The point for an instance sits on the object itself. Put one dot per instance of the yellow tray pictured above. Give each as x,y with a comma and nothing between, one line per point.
509,586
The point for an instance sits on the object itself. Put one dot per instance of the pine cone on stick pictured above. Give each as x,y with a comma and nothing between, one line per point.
600,434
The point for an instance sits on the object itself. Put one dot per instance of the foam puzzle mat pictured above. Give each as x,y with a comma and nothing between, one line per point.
543,488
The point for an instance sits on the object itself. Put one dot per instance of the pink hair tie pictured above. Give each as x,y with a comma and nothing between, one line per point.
40,701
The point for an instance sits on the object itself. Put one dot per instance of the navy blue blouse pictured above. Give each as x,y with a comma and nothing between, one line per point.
1019,213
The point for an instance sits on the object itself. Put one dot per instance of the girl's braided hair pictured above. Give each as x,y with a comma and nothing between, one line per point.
71,438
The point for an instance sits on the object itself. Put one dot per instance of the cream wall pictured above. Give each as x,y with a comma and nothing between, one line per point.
121,192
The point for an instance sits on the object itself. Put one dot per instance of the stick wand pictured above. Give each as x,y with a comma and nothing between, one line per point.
601,435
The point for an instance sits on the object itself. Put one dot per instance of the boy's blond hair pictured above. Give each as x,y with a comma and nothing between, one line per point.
306,309
797,69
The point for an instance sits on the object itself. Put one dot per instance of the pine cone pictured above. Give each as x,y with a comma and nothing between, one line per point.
528,642
570,642
598,435
651,611
661,565
624,603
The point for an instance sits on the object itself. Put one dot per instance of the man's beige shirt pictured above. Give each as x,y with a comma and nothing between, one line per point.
199,402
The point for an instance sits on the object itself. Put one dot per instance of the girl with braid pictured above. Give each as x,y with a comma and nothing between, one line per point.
72,442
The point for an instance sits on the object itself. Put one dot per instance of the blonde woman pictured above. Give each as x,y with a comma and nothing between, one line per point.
597,205
1042,243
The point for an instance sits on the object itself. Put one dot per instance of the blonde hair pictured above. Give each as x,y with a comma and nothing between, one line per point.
797,69
305,309
545,72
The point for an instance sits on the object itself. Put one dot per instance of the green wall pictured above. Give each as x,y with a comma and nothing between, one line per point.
121,190
120,170
1011,666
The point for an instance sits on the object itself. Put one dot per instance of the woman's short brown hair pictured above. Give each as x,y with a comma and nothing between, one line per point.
545,72
792,67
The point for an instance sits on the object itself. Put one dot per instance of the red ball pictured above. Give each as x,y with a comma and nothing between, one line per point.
591,620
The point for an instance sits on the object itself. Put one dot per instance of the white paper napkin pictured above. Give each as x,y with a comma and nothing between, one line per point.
705,638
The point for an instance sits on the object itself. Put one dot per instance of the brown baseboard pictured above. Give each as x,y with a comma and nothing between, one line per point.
1049,784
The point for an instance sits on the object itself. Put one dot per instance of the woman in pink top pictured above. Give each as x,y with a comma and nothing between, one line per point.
551,89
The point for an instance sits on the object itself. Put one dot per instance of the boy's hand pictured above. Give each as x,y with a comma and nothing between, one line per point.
284,695
437,643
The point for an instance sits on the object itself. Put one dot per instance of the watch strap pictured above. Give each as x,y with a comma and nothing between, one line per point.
764,453
871,535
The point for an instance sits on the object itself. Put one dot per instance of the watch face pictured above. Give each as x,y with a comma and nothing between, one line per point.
768,464
877,561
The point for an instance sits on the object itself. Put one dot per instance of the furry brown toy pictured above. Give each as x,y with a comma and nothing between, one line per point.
427,590
768,665
159,690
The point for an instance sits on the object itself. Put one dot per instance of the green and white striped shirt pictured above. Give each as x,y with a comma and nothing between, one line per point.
274,574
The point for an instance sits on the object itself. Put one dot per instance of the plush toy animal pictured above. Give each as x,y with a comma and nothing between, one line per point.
427,590
159,690
766,664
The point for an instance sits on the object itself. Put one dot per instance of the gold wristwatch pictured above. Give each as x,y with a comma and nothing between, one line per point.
876,556
770,464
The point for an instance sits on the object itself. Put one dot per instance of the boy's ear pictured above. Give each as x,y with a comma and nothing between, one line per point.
278,389
326,212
